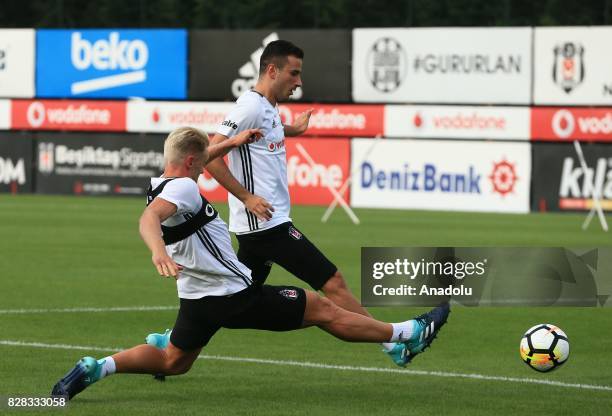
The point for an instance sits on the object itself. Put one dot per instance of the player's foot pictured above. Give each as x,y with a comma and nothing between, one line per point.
399,354
85,372
426,330
159,340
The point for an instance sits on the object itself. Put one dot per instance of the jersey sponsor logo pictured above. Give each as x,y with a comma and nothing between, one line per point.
568,66
386,64
230,123
294,233
249,72
291,294
274,146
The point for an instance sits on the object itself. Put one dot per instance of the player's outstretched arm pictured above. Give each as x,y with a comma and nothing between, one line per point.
300,124
219,170
150,231
221,148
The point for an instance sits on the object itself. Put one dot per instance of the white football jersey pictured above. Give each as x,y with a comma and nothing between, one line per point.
260,167
210,264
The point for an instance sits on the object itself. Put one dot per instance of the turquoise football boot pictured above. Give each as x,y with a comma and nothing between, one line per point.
159,340
426,330
86,372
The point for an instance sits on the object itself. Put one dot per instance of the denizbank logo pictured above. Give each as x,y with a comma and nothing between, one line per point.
112,63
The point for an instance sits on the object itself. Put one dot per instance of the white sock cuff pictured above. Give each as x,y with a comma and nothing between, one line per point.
108,366
402,331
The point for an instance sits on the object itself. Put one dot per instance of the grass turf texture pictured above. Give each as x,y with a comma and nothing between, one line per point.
66,252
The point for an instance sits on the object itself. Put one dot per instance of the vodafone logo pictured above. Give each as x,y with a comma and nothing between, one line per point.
155,116
301,174
36,114
417,120
341,120
68,115
563,123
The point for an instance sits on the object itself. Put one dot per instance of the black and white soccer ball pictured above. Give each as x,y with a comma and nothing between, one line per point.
544,347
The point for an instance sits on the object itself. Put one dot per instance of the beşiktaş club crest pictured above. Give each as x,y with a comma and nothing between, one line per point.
289,293
568,68
294,233
386,64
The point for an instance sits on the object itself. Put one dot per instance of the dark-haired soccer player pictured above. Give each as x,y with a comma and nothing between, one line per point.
258,190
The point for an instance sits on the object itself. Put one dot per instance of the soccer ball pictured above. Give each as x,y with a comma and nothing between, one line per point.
544,347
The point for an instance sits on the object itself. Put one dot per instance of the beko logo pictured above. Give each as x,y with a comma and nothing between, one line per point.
108,55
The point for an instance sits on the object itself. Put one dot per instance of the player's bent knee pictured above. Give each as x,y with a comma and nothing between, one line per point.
319,310
178,361
335,286
175,367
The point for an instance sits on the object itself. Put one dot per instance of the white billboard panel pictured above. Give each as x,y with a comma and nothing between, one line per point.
441,175
573,65
449,65
457,122
165,116
17,63
5,114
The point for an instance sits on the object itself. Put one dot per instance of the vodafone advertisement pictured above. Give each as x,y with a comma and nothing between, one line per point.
165,116
5,114
326,120
568,124
461,122
441,175
308,184
68,115
338,120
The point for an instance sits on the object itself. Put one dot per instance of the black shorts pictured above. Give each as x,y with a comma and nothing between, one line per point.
286,246
272,308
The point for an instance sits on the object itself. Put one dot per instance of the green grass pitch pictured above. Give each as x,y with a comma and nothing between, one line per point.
77,252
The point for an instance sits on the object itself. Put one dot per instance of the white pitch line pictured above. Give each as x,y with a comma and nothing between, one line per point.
306,364
77,310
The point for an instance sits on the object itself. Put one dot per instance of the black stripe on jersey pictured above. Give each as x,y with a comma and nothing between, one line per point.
214,250
247,174
250,165
246,183
226,262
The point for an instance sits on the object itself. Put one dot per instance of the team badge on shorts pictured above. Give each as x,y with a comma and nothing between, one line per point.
294,233
289,293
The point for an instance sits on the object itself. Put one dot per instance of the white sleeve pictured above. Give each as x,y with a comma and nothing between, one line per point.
184,193
245,115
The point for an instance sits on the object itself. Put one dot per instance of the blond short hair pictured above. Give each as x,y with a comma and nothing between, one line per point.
183,142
